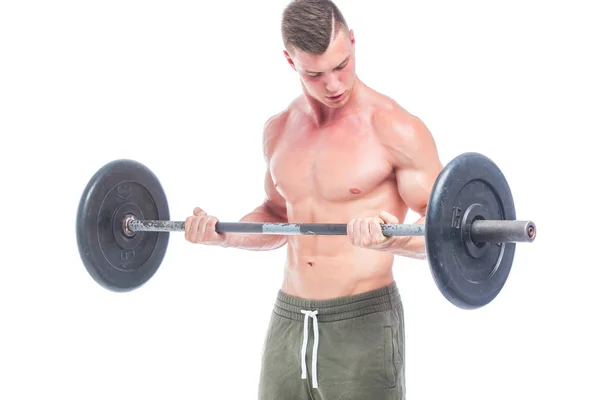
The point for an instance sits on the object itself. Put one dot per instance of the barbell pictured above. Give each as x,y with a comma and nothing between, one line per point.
470,229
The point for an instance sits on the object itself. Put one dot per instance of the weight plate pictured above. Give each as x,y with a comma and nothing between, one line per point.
469,275
118,261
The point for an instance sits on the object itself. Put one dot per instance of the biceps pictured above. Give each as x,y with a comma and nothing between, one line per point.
414,186
274,200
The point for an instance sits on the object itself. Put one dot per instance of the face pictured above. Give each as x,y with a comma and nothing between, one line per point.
328,77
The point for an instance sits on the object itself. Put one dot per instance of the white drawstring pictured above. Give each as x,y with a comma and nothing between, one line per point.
313,315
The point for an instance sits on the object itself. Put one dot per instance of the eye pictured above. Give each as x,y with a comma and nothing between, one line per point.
341,67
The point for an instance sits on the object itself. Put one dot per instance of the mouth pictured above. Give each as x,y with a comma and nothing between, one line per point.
336,98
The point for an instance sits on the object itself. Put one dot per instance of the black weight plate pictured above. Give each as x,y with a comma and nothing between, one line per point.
468,279
117,261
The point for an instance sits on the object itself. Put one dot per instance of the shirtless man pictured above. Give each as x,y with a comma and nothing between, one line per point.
341,152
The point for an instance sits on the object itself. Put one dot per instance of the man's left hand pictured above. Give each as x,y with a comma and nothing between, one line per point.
366,232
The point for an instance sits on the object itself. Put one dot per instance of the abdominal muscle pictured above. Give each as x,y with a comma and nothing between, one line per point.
329,266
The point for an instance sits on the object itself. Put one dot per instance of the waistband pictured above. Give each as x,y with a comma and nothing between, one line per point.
339,308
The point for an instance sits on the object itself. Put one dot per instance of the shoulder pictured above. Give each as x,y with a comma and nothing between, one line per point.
276,125
405,135
272,131
393,122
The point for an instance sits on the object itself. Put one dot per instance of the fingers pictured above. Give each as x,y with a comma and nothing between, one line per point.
376,235
355,232
366,232
200,228
362,232
388,218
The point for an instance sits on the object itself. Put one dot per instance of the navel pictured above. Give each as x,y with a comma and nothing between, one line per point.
355,191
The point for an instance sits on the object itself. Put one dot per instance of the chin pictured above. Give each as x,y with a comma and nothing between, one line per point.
335,104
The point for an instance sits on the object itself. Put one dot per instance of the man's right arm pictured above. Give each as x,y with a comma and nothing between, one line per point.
274,207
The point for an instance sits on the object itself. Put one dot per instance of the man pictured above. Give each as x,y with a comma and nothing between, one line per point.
341,152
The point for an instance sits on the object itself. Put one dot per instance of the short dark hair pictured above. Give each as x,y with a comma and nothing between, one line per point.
310,25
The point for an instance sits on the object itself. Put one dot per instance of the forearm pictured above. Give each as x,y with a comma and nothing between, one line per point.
408,246
257,242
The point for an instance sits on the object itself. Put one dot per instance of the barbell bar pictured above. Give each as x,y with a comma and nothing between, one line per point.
481,231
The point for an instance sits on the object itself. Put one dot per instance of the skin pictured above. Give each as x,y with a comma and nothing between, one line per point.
361,160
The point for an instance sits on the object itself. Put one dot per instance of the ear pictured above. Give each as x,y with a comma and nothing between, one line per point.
289,59
352,37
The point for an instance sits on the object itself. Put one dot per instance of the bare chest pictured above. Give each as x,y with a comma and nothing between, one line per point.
335,164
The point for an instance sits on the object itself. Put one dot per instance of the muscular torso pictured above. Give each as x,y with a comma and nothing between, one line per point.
331,174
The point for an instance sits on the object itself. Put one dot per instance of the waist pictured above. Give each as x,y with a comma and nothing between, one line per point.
339,308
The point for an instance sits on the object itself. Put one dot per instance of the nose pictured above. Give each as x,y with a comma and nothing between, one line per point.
332,83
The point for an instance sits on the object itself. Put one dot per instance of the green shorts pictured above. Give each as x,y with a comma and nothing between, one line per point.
344,348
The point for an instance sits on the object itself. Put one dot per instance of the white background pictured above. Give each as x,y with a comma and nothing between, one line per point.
185,87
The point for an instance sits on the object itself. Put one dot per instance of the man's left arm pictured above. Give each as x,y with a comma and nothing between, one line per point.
414,157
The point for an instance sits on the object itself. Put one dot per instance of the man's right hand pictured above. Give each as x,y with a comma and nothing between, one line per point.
200,228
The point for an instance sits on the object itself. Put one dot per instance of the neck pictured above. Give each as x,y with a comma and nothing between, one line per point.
324,115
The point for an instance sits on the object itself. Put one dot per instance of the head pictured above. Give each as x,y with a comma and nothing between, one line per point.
320,47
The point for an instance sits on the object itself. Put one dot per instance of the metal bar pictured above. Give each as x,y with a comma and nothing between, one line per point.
155,226
481,230
274,229
499,231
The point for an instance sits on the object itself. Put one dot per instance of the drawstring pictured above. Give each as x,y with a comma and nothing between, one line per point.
313,315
